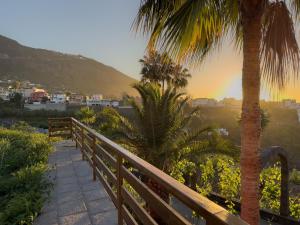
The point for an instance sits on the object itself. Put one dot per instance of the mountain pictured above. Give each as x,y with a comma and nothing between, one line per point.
57,71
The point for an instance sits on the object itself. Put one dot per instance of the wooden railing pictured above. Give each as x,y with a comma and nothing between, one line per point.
117,170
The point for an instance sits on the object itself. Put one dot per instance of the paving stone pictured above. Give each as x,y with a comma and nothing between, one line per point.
91,186
49,206
68,196
48,218
76,198
71,207
85,180
61,173
67,187
76,219
95,194
106,218
100,205
66,180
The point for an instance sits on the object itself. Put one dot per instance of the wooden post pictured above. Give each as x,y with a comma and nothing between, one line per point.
82,142
119,189
71,129
94,157
49,128
75,135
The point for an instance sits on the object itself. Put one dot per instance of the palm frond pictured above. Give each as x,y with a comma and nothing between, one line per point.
279,50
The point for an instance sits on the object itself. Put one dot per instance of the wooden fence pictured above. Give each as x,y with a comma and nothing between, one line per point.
117,170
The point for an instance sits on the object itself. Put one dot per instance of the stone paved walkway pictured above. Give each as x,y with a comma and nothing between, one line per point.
76,199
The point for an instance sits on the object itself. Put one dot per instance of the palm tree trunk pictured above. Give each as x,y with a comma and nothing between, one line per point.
251,126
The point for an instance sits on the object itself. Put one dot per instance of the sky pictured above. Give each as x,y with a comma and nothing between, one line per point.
101,29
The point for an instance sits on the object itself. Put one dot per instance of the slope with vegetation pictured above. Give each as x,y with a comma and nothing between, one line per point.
60,71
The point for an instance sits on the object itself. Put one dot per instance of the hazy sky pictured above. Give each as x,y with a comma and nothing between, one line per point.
101,29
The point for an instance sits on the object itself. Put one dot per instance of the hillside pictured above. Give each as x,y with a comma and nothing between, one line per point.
56,70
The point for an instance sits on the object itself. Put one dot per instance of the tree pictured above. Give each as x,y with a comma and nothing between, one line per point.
264,29
161,131
160,69
17,100
86,115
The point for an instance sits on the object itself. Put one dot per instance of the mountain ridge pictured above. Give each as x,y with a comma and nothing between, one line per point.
61,71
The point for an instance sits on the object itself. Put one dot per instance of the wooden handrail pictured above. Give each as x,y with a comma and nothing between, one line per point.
108,161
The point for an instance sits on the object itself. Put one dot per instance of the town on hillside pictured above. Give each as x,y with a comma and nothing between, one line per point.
35,97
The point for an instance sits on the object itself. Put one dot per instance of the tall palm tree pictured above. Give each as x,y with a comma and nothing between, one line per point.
156,68
188,30
180,76
160,69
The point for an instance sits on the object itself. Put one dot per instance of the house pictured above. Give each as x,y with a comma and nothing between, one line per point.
76,99
96,99
290,103
4,94
38,95
58,97
25,92
210,102
102,102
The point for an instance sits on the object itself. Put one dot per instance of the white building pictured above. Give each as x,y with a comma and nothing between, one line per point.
290,103
4,94
25,92
102,102
96,97
210,102
58,98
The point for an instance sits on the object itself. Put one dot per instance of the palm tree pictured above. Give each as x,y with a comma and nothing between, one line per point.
264,29
160,69
156,68
161,130
180,76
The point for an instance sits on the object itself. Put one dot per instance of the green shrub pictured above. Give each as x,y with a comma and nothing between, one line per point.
295,177
23,184
25,149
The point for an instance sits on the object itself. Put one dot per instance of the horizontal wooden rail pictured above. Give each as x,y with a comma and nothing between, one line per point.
136,202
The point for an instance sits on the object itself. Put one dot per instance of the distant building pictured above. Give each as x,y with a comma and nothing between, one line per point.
76,99
290,103
232,103
4,94
102,102
25,92
38,95
210,102
58,97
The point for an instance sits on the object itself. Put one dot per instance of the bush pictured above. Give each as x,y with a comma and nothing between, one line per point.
23,184
19,149
295,177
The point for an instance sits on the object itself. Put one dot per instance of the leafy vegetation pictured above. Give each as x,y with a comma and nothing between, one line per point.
23,184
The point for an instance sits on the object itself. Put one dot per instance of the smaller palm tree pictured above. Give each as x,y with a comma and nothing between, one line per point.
161,130
160,69
180,76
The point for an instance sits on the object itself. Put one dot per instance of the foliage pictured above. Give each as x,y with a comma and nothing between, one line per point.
222,175
160,69
86,115
270,195
295,177
108,121
17,100
161,130
22,126
23,185
25,149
